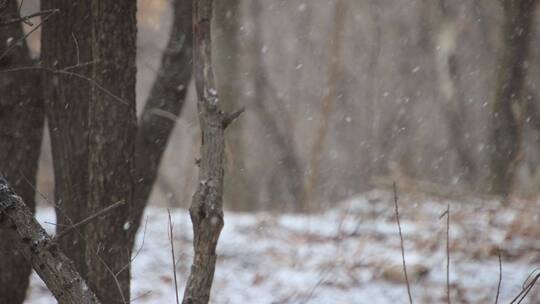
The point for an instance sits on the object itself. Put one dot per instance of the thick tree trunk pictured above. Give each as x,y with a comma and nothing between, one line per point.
163,106
507,117
41,251
21,131
111,138
67,42
206,210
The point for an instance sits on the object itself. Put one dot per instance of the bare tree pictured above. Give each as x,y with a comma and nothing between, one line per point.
21,131
327,106
441,34
163,106
66,43
206,210
508,108
286,184
111,138
239,191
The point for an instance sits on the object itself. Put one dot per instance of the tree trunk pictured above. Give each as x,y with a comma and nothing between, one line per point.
21,131
508,109
327,105
441,36
111,138
66,42
41,251
286,184
239,192
206,210
163,106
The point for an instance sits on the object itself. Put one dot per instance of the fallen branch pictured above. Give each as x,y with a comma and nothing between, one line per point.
54,268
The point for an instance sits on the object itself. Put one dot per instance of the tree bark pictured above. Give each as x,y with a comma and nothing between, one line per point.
40,251
508,108
111,138
163,106
206,210
21,131
67,42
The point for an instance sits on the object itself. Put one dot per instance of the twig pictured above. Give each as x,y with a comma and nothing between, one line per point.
526,289
229,118
115,277
448,300
171,225
26,18
65,72
88,219
500,277
401,244
136,253
27,34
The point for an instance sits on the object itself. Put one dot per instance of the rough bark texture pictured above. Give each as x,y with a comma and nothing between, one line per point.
508,116
206,210
40,251
111,138
163,106
21,131
67,41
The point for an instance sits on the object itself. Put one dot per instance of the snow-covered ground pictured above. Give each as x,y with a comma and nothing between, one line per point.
350,254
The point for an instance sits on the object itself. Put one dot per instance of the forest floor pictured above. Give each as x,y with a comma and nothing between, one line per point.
350,254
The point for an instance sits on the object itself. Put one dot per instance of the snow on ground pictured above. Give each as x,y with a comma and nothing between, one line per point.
350,254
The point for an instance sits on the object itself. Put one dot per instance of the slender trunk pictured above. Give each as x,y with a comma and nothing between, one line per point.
206,210
443,46
66,42
286,185
239,192
163,106
507,116
327,105
111,138
21,131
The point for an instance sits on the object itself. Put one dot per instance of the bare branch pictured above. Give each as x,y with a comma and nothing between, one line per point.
229,118
401,244
500,277
54,268
28,17
171,226
68,73
8,49
90,218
